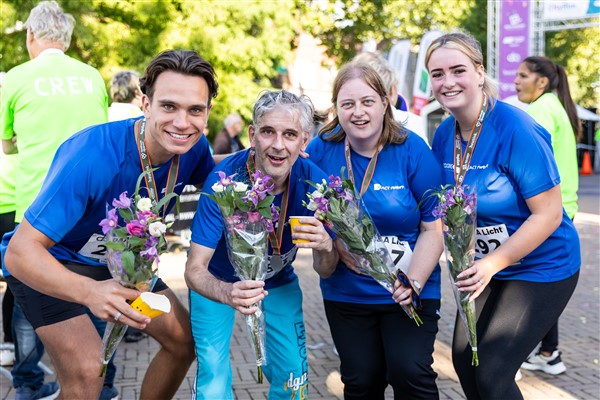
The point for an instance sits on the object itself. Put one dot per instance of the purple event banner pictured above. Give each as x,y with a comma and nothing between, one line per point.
514,42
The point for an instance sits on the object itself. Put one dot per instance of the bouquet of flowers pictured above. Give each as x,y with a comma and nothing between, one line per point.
458,210
132,251
249,214
336,205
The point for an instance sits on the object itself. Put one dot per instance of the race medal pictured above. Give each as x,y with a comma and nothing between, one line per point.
276,263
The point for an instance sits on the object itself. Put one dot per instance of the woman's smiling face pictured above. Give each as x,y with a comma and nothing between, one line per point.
360,110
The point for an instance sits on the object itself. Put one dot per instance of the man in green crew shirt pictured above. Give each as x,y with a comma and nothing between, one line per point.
46,100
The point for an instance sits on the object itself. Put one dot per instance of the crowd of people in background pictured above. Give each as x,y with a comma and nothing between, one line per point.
66,155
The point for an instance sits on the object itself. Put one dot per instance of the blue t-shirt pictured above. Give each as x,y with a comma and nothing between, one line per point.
512,162
397,202
208,227
89,170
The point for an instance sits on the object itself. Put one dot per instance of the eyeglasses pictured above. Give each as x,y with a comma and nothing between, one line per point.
405,281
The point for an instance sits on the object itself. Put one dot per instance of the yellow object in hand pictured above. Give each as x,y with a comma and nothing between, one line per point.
151,304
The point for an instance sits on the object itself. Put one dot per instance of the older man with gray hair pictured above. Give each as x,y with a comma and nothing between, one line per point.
281,126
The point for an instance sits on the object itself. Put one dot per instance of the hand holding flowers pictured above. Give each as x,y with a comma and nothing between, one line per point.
457,209
336,205
133,251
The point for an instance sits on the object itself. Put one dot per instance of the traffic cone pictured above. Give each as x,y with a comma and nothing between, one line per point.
586,164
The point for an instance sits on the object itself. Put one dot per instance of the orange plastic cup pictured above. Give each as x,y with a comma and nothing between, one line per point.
151,304
294,222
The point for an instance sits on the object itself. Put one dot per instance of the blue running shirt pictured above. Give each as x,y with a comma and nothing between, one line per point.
512,162
89,170
208,227
403,174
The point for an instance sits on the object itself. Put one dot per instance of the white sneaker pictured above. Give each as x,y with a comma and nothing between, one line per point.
7,357
518,375
552,364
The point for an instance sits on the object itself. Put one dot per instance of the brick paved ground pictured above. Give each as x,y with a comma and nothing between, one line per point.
579,340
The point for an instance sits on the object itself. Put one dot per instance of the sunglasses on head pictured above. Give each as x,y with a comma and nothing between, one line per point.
405,281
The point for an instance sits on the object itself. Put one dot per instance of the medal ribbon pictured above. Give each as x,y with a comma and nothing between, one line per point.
368,173
276,237
462,162
147,167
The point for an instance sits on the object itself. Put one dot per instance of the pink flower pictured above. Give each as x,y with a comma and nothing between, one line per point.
136,228
253,216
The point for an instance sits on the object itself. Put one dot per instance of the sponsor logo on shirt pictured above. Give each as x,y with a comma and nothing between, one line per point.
451,166
377,186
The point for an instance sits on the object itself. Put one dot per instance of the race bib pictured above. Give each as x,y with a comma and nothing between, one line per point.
489,238
399,251
95,248
280,262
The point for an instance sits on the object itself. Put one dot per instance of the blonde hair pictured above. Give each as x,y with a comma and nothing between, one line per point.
470,47
383,68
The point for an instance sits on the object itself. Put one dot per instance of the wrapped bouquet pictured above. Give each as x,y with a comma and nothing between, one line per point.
335,203
457,208
132,252
248,214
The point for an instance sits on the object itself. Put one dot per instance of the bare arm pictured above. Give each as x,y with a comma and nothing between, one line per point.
546,216
9,146
28,259
241,295
426,256
325,258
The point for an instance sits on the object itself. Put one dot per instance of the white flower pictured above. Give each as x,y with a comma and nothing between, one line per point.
312,206
218,188
144,204
157,228
240,187
316,194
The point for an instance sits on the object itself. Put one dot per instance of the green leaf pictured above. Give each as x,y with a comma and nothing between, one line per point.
128,263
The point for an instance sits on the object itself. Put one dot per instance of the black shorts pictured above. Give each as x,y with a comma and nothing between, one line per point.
42,310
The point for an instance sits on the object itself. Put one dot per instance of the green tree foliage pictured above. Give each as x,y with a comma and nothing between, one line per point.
345,24
108,35
246,42
577,51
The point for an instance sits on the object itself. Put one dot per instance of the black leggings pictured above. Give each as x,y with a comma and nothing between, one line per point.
7,224
513,316
379,345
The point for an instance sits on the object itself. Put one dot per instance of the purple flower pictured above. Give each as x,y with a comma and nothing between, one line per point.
253,196
110,222
268,224
274,213
347,195
122,202
225,180
136,228
150,253
335,182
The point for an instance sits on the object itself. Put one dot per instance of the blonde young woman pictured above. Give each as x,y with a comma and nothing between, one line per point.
529,257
